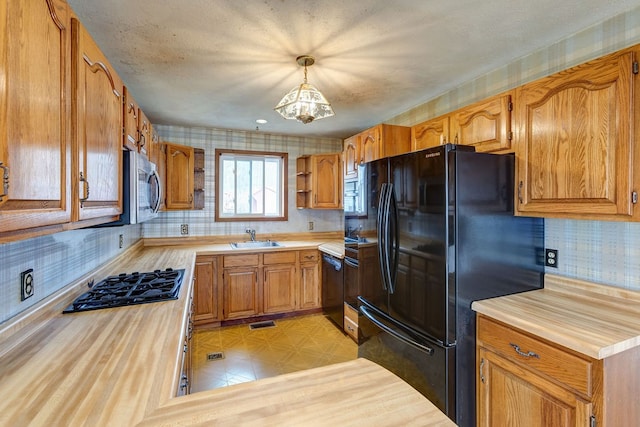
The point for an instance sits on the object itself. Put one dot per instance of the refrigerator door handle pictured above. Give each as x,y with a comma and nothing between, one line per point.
381,235
393,255
365,311
388,279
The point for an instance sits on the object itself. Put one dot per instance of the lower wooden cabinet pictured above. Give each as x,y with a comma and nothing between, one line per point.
351,327
207,293
310,280
524,380
245,285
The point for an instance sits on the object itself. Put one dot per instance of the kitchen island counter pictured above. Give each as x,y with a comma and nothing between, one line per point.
121,366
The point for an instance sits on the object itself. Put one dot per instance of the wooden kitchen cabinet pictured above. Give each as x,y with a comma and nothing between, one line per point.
96,112
179,177
351,156
309,280
130,134
430,133
527,381
207,291
240,286
576,150
383,141
35,89
279,286
486,125
144,128
319,181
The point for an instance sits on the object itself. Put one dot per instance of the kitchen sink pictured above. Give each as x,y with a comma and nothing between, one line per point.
255,244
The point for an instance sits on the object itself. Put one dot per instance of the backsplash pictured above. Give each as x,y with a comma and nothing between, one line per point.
202,223
57,260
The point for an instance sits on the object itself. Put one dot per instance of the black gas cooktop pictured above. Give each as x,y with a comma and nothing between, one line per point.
129,289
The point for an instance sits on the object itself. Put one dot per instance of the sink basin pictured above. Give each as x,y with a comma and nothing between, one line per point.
255,244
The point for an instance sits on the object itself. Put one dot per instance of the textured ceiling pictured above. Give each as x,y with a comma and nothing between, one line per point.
225,64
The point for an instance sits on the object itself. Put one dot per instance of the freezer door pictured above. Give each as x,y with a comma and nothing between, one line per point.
426,366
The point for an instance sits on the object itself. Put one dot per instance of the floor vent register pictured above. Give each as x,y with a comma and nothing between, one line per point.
262,325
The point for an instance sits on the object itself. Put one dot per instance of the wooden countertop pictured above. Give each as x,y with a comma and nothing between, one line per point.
121,366
595,320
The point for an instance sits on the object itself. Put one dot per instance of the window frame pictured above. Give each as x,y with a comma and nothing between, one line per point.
219,152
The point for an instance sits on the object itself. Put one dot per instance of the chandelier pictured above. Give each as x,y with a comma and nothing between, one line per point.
304,103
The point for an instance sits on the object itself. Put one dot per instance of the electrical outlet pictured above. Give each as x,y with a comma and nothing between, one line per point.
26,284
551,258
120,241
310,226
184,229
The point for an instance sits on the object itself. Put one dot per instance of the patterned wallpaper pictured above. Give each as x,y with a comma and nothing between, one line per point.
202,223
592,250
606,252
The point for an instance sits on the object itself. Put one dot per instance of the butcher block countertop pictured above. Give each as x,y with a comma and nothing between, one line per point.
121,367
595,320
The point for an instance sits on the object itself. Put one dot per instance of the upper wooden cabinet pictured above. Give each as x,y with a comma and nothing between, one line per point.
96,117
34,114
130,134
576,150
431,133
144,129
351,155
319,181
383,141
486,125
179,180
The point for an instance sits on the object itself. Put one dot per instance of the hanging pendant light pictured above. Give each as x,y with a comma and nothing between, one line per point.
304,103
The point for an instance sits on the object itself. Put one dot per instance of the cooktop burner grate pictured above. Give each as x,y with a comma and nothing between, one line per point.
129,289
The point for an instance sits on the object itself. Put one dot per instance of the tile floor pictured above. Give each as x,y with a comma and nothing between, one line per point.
293,344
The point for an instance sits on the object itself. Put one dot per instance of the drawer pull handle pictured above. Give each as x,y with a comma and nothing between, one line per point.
522,353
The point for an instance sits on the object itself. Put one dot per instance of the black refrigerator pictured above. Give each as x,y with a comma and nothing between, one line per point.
446,236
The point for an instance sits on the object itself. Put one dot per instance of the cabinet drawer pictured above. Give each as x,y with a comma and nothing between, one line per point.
309,255
569,370
351,328
351,313
279,258
248,260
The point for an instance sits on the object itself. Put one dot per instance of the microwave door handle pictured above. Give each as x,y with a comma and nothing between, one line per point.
156,206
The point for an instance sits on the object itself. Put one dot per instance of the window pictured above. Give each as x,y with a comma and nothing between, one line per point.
251,185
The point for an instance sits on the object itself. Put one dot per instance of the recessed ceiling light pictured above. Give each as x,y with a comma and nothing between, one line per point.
261,121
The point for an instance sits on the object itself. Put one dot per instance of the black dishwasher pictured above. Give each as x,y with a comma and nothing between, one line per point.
333,289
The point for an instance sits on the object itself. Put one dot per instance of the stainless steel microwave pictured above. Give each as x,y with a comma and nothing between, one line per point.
141,192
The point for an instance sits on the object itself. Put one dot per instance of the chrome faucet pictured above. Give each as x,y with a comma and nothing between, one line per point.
252,233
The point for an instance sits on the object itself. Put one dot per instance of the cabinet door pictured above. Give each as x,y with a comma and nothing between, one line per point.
575,141
130,134
34,114
179,177
326,174
351,157
144,129
279,290
429,134
309,285
240,292
207,303
485,125
510,395
97,120
370,145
